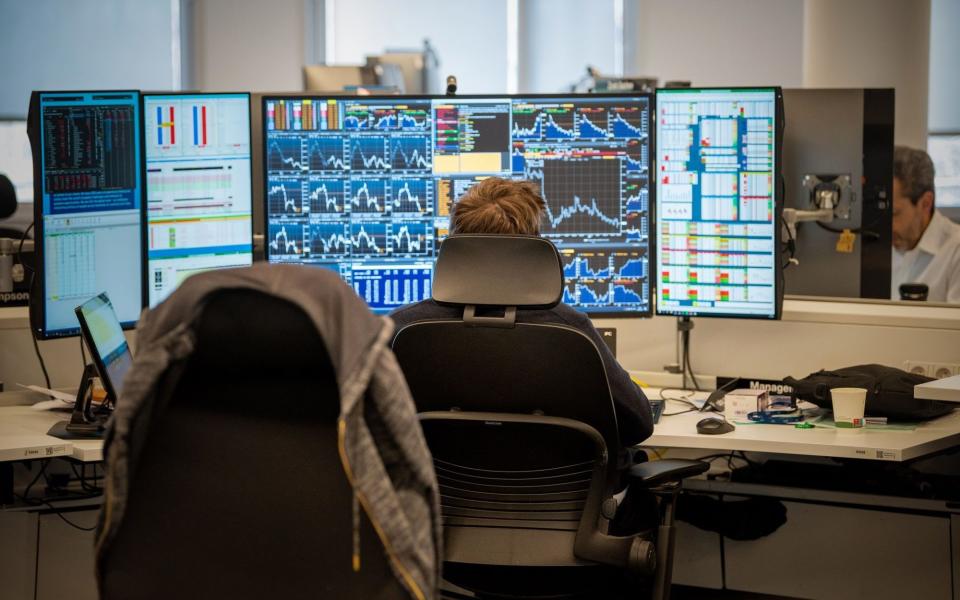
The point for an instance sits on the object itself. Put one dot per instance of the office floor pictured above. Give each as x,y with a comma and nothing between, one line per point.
682,592
678,592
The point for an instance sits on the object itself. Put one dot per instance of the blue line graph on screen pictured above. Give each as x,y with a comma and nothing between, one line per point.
285,154
364,120
326,153
629,267
527,125
284,237
409,196
368,195
329,239
356,121
559,126
590,296
369,153
368,238
517,160
532,171
387,120
414,119
582,196
284,197
557,219
570,267
590,129
624,295
628,123
410,153
636,226
569,294
597,267
411,238
636,203
326,196
637,157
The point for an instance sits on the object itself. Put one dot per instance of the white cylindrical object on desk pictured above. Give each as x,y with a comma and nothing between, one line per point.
848,406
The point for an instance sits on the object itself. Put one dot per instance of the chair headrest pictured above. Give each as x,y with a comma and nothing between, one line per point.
498,270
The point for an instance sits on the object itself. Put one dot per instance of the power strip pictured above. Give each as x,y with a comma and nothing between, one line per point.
931,369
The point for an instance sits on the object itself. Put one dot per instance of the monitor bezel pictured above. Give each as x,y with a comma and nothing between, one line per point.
145,225
37,306
651,141
779,124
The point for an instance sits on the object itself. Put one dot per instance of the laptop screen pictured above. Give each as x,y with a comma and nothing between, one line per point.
106,341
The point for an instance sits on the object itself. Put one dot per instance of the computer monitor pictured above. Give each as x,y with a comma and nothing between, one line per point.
718,203
840,142
199,187
364,186
88,219
104,337
944,149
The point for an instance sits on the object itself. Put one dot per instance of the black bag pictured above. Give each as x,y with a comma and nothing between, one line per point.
889,391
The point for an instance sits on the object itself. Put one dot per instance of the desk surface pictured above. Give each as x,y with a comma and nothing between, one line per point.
680,431
23,436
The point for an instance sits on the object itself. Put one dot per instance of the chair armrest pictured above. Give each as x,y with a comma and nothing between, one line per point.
657,472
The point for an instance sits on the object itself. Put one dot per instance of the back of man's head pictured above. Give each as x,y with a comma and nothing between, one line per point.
497,205
914,170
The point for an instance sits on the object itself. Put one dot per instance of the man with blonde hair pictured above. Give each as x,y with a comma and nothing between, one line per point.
503,206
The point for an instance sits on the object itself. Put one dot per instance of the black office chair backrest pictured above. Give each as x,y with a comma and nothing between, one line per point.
518,416
239,491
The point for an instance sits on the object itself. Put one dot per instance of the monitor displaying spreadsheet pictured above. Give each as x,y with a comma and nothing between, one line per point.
198,185
718,202
86,148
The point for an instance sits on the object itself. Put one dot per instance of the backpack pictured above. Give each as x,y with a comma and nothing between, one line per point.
889,391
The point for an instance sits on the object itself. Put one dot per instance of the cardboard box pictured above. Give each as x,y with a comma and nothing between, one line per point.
739,403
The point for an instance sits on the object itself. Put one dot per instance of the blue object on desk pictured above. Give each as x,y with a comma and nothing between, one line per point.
775,418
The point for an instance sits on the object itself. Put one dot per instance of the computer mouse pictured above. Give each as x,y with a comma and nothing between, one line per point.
714,426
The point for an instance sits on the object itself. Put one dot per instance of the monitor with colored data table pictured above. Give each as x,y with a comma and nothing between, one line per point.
365,186
198,187
718,202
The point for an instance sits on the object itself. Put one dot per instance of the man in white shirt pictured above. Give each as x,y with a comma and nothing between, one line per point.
926,244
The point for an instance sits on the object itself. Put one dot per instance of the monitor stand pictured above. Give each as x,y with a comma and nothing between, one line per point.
83,424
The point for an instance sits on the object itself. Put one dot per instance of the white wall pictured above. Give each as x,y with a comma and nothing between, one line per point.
559,38
944,104
706,42
247,45
873,43
85,44
470,37
775,349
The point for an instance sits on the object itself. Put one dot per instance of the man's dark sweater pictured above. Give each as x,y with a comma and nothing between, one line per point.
634,420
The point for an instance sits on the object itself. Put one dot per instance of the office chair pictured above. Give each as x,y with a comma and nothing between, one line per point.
520,422
239,491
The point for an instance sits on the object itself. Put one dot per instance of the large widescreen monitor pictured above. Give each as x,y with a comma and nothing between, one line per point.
198,183
718,202
365,185
87,198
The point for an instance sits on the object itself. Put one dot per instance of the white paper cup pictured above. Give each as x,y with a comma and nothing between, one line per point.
848,405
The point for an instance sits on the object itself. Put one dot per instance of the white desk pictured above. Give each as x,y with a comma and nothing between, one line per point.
23,436
680,431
